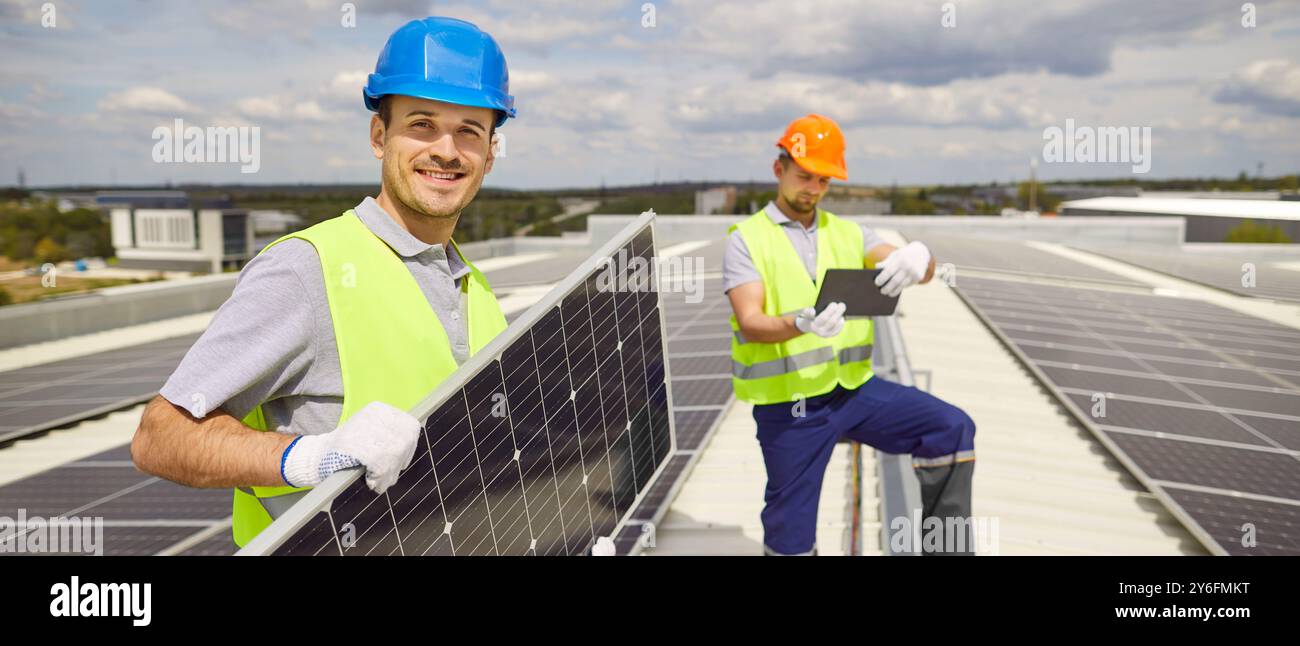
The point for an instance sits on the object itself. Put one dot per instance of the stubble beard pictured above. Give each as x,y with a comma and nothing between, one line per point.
408,196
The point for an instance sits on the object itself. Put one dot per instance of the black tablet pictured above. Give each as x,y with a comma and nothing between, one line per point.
856,288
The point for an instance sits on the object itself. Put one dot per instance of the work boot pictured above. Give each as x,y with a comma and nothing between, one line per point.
946,494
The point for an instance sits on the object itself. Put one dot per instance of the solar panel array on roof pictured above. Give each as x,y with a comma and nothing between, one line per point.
1012,257
1251,272
535,272
1200,402
699,350
142,515
544,441
48,395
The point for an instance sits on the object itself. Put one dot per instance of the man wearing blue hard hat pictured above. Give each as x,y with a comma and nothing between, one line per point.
334,332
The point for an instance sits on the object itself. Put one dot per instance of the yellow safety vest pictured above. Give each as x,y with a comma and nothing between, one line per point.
807,365
392,347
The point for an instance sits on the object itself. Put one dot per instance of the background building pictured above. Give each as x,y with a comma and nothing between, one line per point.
182,239
715,200
855,205
1208,220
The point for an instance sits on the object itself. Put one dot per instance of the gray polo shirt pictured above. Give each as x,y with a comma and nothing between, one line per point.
273,340
738,267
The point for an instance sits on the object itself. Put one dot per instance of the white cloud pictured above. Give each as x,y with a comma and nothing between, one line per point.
340,162
260,107
531,81
1222,125
956,150
731,104
1271,86
145,100
284,107
346,85
542,27
704,94
886,40
14,111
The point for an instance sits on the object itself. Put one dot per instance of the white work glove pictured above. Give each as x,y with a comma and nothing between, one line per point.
903,267
604,547
380,437
826,325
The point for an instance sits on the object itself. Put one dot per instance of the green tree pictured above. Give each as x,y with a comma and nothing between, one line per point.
19,245
81,232
545,228
909,205
82,244
1248,231
48,250
1043,201
670,203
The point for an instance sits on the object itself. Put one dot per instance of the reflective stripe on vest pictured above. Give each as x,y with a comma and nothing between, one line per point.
382,357
807,365
799,362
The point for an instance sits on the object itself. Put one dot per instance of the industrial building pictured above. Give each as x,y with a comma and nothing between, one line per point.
1208,219
183,239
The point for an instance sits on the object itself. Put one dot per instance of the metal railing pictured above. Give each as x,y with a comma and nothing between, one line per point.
899,492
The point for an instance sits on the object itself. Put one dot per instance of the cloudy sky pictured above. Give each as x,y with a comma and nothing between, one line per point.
627,91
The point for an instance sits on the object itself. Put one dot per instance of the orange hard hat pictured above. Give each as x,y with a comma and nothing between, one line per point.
817,145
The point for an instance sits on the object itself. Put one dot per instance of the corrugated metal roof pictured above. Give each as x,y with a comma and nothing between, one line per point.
717,509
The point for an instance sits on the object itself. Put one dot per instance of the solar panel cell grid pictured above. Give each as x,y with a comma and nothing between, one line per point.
692,426
1230,469
1173,420
1112,383
544,447
701,392
1010,256
44,396
700,345
1194,395
1072,356
712,365
1233,522
1279,401
1223,270
317,539
139,541
161,499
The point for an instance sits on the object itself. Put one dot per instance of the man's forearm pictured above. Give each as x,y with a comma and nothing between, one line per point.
215,451
761,328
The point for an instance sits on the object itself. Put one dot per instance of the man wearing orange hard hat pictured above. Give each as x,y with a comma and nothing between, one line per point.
808,373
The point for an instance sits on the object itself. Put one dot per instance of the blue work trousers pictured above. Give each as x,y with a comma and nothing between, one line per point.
797,439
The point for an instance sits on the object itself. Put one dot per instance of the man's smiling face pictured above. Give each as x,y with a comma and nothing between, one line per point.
434,154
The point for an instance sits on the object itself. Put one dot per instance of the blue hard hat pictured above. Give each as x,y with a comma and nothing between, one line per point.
443,59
